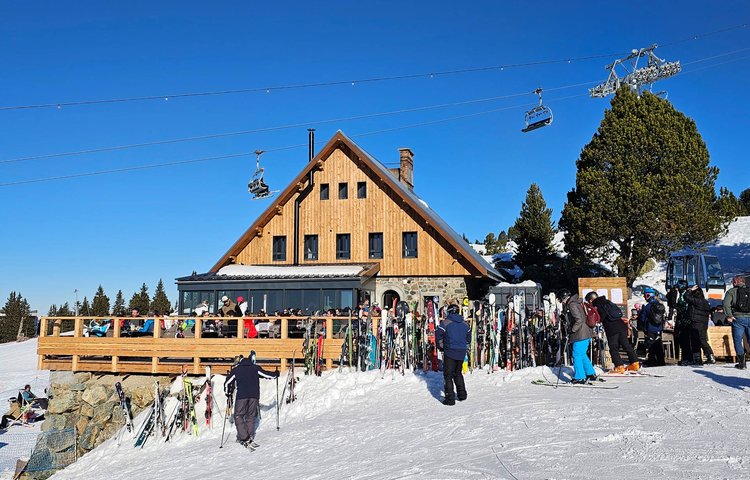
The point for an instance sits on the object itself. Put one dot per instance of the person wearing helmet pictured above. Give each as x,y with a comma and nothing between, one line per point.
452,338
651,322
579,336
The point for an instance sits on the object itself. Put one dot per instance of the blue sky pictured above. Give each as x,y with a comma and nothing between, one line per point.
124,229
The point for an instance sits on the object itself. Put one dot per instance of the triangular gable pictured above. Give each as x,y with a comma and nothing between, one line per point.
422,210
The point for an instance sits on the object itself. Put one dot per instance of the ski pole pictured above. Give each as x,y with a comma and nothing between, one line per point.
277,400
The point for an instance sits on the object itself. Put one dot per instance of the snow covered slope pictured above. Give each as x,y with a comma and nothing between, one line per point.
18,367
690,424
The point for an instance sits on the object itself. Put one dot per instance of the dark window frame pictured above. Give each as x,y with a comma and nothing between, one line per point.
343,191
314,240
409,248
341,253
325,191
361,189
278,255
372,251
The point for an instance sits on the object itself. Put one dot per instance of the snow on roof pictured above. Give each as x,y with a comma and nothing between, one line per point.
525,283
281,271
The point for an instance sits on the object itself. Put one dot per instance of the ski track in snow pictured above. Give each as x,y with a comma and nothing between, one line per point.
691,424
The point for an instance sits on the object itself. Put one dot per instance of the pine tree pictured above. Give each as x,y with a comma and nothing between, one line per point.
160,302
85,310
534,230
644,187
140,300
745,201
118,309
16,316
100,305
64,310
52,311
729,204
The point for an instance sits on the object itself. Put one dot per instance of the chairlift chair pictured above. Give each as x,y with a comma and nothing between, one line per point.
257,186
539,116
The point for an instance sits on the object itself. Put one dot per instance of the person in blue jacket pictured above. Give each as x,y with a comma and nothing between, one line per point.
651,320
452,338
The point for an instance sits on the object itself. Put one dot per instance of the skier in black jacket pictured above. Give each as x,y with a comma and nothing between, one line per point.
246,375
617,332
698,312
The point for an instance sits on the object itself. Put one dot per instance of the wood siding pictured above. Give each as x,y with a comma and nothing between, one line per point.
382,211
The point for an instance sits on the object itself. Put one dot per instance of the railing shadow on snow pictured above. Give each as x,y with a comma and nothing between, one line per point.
739,383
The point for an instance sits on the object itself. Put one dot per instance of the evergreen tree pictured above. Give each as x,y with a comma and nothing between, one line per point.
745,201
489,244
64,310
52,311
466,239
16,316
644,187
534,230
494,244
140,300
160,303
85,309
118,309
100,306
729,204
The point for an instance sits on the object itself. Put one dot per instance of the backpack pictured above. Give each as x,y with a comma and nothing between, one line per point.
592,315
742,301
656,313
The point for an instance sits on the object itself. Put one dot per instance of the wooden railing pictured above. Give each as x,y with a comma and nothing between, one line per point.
64,346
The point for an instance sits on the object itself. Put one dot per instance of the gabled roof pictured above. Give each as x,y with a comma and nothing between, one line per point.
409,197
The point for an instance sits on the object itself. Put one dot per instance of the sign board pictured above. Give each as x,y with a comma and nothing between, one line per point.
614,288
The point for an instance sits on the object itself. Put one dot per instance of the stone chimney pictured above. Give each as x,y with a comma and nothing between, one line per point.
406,168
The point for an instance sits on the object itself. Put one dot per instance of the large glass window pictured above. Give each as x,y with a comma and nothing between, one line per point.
376,245
361,189
714,274
324,191
311,247
293,299
343,191
279,248
190,300
409,245
343,246
311,301
232,294
337,298
269,301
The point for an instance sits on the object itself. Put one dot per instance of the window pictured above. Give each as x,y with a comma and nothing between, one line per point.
343,246
343,191
279,248
361,189
324,191
409,245
311,247
376,245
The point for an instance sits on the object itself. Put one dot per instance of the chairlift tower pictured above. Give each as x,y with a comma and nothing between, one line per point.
636,77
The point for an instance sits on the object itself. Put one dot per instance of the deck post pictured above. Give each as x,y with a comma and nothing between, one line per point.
157,334
329,335
115,334
284,336
197,360
42,333
56,327
77,333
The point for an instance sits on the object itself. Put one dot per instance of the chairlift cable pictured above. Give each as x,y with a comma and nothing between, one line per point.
270,89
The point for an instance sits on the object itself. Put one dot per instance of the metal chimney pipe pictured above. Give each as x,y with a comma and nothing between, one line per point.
310,144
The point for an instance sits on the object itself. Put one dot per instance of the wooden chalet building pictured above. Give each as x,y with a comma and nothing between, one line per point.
346,229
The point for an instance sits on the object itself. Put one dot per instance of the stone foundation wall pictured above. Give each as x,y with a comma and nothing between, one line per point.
413,289
91,405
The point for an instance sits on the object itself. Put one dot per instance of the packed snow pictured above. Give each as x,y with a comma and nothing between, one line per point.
689,424
18,361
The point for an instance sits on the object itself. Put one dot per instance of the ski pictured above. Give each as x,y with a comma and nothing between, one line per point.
630,375
568,384
190,413
209,397
125,411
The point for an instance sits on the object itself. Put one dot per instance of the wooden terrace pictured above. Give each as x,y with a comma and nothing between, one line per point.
63,346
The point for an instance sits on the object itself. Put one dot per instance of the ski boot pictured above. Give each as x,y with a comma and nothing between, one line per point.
697,359
619,369
711,359
633,367
579,381
449,401
593,378
741,363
